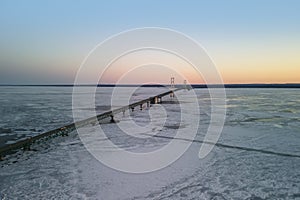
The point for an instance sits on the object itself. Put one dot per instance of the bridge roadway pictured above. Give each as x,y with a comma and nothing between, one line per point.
64,130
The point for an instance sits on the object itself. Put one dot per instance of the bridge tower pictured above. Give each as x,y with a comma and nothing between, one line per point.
172,86
185,86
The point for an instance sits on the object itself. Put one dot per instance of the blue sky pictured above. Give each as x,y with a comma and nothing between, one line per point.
45,41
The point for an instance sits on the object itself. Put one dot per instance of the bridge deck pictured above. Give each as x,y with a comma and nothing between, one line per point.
64,130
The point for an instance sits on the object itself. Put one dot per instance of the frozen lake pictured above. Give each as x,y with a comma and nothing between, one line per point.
62,168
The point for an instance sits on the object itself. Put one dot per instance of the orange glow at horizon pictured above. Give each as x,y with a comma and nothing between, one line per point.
273,60
157,67
150,67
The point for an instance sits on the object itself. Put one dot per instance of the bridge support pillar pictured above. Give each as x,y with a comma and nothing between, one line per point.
172,95
112,120
26,147
159,100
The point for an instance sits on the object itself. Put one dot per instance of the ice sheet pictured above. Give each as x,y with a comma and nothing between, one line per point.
61,167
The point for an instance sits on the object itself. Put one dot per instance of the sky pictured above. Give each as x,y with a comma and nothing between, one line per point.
250,41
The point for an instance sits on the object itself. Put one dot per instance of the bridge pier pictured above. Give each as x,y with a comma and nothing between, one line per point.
112,120
26,147
156,100
141,106
159,99
153,100
172,95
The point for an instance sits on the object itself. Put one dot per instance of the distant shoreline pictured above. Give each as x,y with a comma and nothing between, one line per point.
286,85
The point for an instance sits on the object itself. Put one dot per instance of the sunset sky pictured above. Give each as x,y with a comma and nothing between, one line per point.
251,41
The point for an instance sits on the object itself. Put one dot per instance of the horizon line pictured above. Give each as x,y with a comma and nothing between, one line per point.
230,85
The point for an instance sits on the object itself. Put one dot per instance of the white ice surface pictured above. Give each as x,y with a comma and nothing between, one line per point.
61,168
